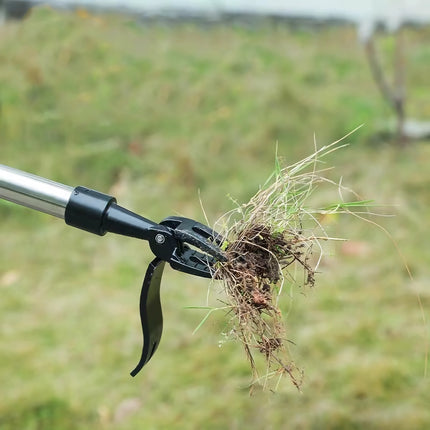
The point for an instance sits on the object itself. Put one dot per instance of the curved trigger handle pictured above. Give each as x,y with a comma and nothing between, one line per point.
151,315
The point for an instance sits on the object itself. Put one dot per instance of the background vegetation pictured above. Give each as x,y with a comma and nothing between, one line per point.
152,114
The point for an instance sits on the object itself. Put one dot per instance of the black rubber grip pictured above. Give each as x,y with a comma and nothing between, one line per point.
86,210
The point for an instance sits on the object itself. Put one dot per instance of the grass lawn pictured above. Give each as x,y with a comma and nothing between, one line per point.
155,115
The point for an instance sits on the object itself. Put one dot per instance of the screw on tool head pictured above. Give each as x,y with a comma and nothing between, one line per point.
160,238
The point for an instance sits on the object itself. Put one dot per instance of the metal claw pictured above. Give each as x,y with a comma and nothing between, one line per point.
194,233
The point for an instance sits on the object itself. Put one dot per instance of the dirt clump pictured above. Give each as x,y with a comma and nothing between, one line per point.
253,275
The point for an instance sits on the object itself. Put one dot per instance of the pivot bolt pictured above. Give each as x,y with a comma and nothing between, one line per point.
159,238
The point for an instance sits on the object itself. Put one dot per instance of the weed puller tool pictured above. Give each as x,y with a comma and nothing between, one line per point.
186,245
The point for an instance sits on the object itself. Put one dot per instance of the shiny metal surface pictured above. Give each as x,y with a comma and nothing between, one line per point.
33,191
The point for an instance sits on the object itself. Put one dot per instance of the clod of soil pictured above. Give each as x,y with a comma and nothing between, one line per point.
253,277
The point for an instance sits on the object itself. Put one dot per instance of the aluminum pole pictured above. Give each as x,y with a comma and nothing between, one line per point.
33,191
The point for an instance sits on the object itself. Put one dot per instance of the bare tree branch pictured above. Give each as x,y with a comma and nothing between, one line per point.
395,95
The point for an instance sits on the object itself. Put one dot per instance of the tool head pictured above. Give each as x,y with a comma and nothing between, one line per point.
188,246
199,261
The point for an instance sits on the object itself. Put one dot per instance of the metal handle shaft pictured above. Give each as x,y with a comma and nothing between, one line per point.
33,191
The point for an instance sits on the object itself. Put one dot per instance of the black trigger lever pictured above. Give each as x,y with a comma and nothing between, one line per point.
151,315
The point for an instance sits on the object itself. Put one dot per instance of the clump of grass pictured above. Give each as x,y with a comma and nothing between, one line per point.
269,241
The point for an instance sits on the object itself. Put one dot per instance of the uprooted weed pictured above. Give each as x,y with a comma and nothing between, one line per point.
267,240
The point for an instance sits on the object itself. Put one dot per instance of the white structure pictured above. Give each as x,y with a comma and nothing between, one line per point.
390,12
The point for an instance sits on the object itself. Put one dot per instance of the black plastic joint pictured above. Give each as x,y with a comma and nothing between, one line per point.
86,210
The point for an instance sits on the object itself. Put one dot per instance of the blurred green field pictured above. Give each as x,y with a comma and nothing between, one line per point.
154,114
